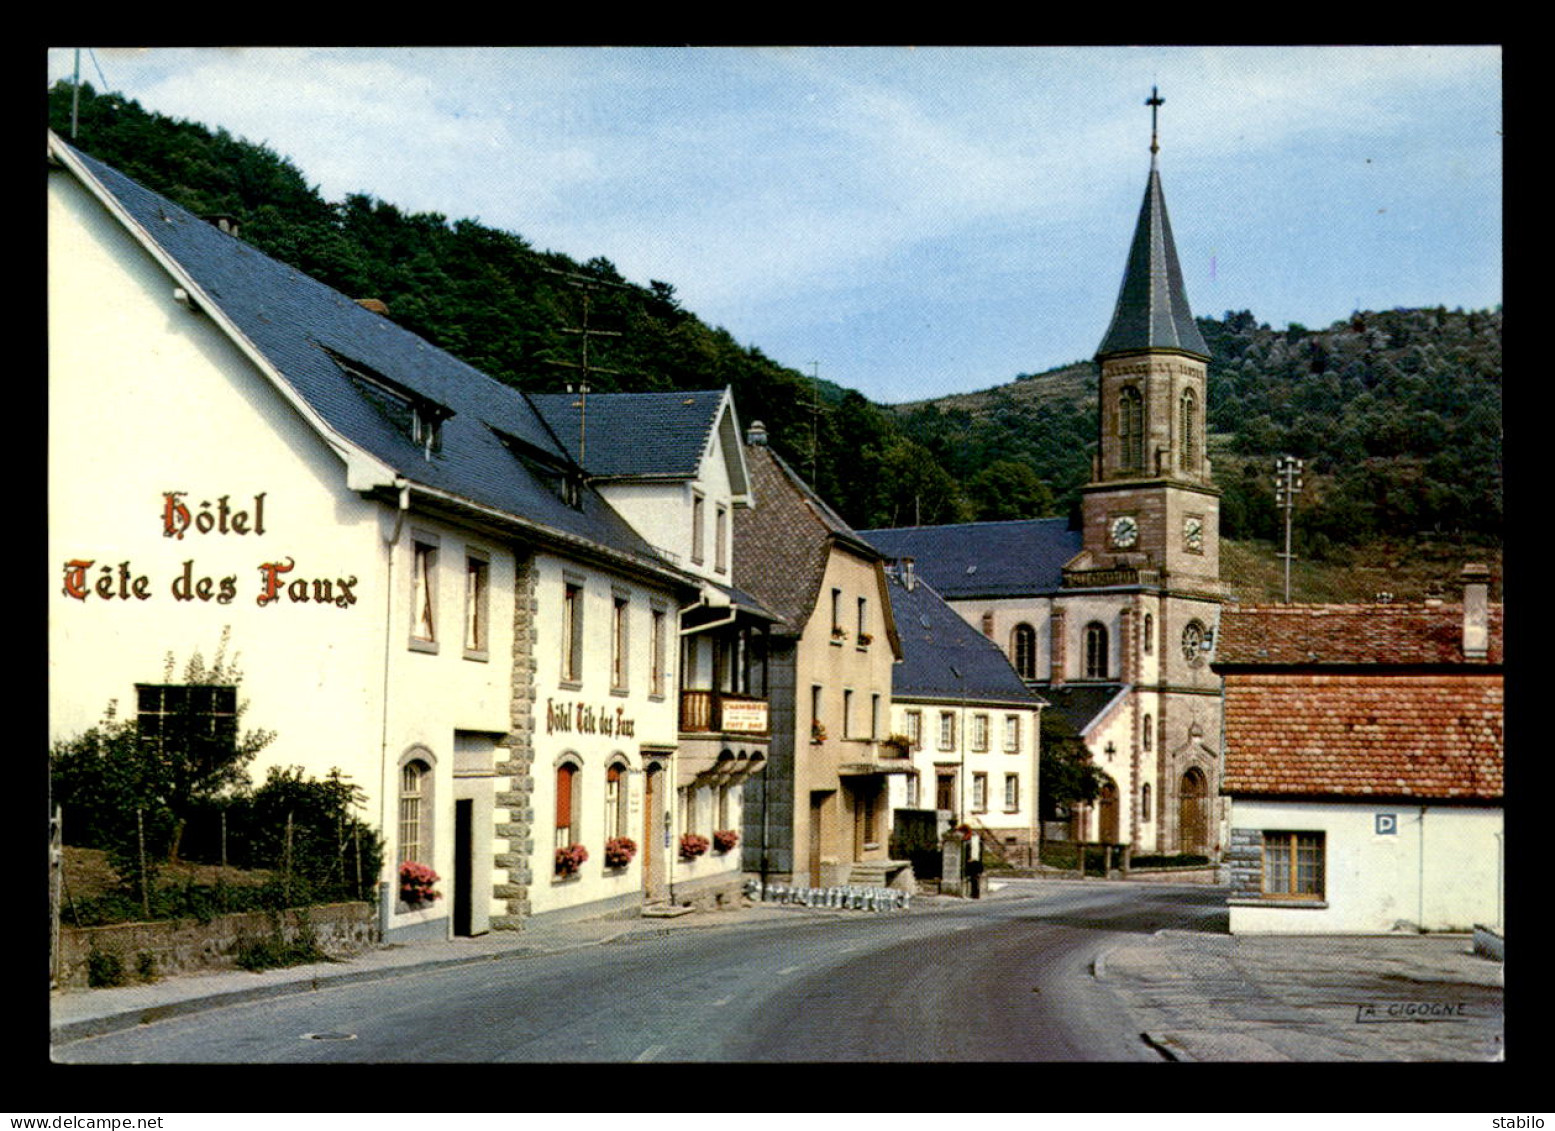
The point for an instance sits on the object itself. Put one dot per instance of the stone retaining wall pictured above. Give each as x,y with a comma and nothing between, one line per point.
181,946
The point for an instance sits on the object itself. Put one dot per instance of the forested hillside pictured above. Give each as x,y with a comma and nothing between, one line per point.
1397,413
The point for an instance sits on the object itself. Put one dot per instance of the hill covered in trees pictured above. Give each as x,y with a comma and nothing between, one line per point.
1398,413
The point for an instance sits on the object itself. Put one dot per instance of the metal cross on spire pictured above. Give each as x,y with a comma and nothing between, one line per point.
1155,101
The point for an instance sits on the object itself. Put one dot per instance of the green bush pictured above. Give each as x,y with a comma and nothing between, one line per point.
104,968
275,950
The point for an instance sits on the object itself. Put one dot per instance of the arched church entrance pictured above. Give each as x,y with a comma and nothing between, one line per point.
1193,813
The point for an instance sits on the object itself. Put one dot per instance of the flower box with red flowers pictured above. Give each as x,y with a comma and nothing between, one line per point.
570,859
619,851
693,845
725,839
416,882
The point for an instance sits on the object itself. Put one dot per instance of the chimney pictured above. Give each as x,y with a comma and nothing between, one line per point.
1476,610
756,435
909,575
225,221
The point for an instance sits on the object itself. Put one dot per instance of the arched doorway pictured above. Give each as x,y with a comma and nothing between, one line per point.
1107,813
1193,812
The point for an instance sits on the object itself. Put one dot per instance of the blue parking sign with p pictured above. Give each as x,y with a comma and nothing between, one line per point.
1387,824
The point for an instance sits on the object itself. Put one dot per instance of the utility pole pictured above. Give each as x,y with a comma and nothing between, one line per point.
587,284
1287,485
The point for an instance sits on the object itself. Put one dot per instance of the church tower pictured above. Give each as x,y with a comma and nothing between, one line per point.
1151,516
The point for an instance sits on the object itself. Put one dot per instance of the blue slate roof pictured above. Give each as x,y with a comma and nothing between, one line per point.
984,559
944,657
1075,706
305,330
1152,310
660,435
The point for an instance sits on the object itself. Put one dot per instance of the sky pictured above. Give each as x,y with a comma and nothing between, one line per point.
907,222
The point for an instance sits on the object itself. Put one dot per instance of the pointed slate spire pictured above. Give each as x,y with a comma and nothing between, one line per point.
1152,310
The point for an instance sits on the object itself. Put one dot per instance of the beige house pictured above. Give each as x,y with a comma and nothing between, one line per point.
821,807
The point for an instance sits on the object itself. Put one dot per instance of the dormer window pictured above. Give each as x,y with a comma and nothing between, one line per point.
565,482
419,419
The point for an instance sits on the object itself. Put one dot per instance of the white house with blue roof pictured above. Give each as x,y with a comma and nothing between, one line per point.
423,586
972,726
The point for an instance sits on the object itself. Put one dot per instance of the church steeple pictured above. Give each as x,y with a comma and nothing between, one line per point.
1152,311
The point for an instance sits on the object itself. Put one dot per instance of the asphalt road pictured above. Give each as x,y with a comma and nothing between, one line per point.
998,979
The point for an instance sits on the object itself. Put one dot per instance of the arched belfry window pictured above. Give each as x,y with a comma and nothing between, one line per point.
1096,650
1131,428
1189,439
1024,646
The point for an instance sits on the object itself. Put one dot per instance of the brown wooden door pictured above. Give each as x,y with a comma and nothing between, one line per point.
1193,813
1107,830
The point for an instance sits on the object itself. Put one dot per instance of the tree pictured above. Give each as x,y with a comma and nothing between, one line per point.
148,776
1009,489
1066,775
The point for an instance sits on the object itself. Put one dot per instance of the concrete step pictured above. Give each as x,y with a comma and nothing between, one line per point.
666,911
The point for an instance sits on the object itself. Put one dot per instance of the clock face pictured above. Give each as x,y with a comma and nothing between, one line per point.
1193,533
1193,642
1125,531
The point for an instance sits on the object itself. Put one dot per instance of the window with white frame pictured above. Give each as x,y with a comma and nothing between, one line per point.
415,807
979,793
477,601
620,642
572,632
913,720
698,523
1011,792
947,730
656,650
1023,646
423,595
615,800
980,732
912,791
1012,734
721,538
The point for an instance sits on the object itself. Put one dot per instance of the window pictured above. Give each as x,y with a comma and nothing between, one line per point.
415,786
721,539
723,808
947,731
1293,865
1131,429
1147,738
1189,440
1193,638
568,779
1144,802
945,791
979,793
1095,651
1149,634
477,577
914,723
1011,792
912,791
620,650
698,521
183,718
837,631
874,715
423,600
656,651
615,801
817,727
988,625
980,732
847,713
862,634
1012,734
572,632
1024,647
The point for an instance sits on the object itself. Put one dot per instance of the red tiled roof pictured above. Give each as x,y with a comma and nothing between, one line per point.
1436,735
1348,634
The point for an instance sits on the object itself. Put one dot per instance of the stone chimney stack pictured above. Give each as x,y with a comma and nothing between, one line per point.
756,434
1476,611
909,575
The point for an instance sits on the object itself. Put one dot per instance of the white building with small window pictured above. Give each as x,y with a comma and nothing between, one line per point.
419,585
970,726
1364,764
